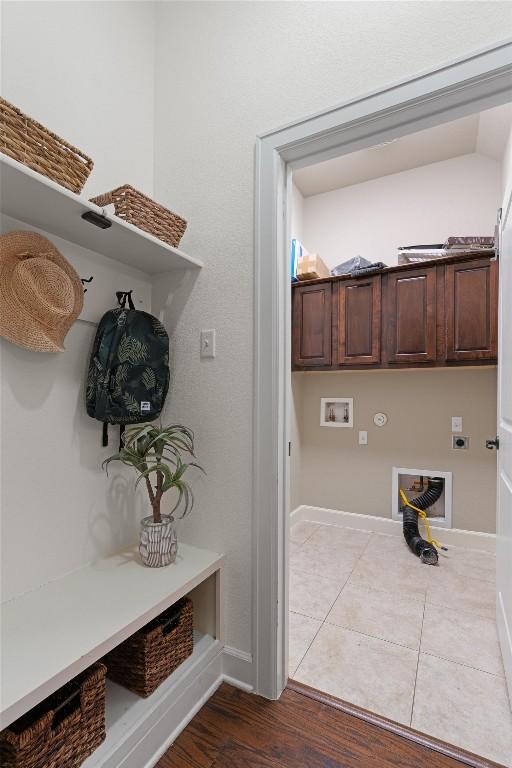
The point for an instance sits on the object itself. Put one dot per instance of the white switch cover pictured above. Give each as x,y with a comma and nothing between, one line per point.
208,343
363,437
456,423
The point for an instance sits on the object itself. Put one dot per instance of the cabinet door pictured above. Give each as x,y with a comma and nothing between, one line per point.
311,324
471,310
358,321
410,316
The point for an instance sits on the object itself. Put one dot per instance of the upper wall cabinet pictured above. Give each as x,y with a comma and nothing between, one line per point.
471,317
311,337
438,313
356,321
411,316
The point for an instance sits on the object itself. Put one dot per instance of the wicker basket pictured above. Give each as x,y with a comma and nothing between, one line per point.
149,656
63,730
34,145
139,210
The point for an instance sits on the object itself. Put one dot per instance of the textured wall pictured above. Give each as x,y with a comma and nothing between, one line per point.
424,205
85,70
226,72
337,473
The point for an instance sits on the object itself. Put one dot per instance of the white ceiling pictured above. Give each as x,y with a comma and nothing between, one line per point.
485,133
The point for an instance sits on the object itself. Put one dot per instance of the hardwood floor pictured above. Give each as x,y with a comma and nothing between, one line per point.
304,729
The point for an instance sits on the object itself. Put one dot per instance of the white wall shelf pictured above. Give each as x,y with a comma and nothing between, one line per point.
40,202
55,632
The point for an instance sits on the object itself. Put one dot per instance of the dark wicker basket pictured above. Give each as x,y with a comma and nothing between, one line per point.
29,142
141,211
149,656
63,730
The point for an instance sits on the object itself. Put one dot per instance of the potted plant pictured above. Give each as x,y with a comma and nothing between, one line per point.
156,454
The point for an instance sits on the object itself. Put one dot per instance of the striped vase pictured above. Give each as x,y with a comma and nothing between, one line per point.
158,542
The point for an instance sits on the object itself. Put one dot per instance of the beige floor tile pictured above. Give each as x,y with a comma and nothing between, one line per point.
331,563
462,637
465,707
335,537
467,562
387,547
405,578
302,630
313,595
461,593
386,616
300,532
363,670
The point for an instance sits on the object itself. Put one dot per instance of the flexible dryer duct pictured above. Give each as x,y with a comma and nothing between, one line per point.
423,549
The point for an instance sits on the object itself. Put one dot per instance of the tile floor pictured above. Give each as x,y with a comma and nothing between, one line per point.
424,654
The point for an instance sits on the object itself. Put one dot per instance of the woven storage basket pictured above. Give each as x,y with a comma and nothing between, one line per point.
34,145
149,656
139,210
63,730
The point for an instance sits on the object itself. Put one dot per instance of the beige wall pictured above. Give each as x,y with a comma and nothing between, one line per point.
337,473
296,412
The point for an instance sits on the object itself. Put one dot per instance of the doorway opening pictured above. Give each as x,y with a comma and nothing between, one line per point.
394,310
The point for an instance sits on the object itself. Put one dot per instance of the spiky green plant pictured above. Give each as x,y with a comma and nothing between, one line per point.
159,451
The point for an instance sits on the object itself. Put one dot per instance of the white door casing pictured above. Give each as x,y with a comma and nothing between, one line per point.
504,495
478,81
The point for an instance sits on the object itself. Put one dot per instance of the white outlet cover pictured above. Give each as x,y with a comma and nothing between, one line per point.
456,423
363,437
380,419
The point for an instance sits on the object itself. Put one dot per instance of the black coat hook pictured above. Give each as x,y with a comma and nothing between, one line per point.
124,297
86,280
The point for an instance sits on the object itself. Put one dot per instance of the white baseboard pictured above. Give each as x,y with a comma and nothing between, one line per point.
449,536
237,668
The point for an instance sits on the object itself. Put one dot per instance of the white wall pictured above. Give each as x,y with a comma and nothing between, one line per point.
86,71
297,214
226,72
460,196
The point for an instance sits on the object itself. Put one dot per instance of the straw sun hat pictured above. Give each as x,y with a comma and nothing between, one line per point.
40,293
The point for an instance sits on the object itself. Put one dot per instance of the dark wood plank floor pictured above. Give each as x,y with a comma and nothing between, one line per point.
302,730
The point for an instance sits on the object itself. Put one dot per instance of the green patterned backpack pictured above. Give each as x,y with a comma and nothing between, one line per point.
128,375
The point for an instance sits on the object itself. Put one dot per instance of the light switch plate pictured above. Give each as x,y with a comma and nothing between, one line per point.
208,343
363,437
456,423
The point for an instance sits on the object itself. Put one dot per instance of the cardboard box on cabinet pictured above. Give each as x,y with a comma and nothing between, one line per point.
311,267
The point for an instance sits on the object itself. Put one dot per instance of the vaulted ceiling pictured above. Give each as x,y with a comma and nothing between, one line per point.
485,133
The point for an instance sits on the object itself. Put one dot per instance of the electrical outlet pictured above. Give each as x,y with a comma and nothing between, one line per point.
460,443
456,423
363,437
208,343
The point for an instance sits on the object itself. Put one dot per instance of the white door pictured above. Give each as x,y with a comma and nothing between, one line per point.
504,516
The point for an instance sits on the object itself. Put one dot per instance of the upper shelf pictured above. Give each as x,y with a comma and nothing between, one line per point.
55,632
40,202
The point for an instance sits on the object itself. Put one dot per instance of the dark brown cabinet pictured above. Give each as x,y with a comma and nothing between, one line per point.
438,313
411,316
471,290
311,325
356,321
